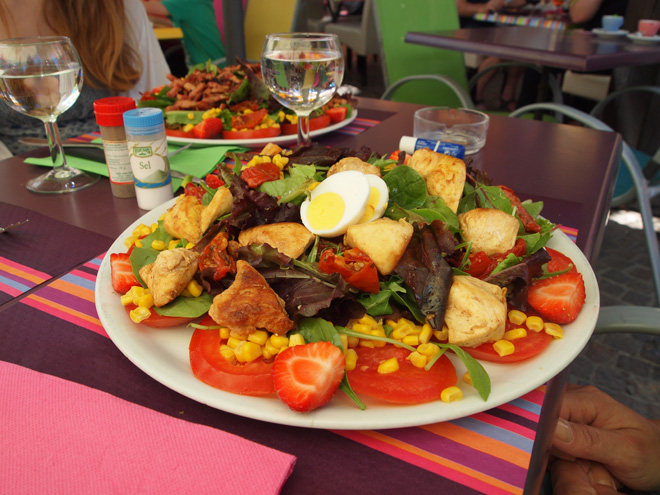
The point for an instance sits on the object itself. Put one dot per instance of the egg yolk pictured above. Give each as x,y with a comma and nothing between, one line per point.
374,198
325,211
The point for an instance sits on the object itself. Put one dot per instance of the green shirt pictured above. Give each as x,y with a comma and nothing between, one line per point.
201,36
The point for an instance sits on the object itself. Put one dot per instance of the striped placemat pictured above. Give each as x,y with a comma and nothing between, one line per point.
521,20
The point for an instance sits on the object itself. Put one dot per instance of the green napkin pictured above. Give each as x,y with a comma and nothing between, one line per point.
194,161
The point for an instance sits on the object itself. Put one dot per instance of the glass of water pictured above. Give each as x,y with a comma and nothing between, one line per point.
302,72
42,77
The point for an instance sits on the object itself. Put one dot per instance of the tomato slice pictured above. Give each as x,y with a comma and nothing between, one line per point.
179,133
408,385
160,321
314,124
252,134
254,378
261,172
526,347
559,262
354,266
337,114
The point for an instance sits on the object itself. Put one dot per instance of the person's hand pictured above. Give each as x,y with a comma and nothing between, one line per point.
494,5
595,427
580,477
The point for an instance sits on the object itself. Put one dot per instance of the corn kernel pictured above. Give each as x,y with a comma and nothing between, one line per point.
139,314
138,243
259,337
130,241
146,301
266,354
224,333
534,323
126,299
428,350
441,335
191,116
367,343
233,342
247,351
504,347
426,333
353,342
451,394
280,161
517,317
368,320
388,366
467,378
227,353
412,340
144,230
351,359
158,245
270,349
190,245
194,288
362,328
296,339
417,360
172,244
279,341
344,341
313,185
553,329
516,333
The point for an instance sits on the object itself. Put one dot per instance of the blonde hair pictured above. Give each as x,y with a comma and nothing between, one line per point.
98,30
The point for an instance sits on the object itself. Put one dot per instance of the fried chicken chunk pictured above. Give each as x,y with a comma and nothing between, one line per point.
250,304
189,219
444,175
353,163
289,238
476,312
169,274
490,230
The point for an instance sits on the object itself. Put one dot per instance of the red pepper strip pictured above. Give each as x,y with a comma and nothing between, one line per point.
528,221
215,256
355,267
260,173
481,265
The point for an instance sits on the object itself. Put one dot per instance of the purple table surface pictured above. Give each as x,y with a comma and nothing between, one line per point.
564,49
570,168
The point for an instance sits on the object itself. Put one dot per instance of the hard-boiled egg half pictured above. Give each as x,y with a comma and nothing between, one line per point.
344,199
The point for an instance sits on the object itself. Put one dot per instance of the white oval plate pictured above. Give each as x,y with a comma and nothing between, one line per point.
643,40
609,34
163,355
250,143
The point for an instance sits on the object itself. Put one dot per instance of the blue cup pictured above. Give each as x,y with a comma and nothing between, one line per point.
612,22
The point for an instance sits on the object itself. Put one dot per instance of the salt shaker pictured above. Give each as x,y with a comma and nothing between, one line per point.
109,116
147,149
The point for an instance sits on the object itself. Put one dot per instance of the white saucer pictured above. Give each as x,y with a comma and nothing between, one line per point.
644,40
609,34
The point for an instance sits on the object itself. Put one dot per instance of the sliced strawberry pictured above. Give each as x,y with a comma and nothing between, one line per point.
558,299
210,128
559,262
122,273
307,376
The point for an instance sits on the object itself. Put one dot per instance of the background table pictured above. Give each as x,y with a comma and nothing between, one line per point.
569,168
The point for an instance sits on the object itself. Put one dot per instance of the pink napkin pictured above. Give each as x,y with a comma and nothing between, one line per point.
58,436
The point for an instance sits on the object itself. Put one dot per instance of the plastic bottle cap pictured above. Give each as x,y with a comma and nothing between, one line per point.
143,117
109,111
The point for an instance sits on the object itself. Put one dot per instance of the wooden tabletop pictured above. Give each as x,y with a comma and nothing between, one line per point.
565,49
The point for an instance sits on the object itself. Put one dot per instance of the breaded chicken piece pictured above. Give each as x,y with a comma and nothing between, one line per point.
490,230
289,238
250,304
353,163
169,275
183,220
383,240
476,312
189,219
444,175
220,204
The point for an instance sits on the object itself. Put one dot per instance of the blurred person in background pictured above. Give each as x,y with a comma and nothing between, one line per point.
197,20
601,446
587,14
117,46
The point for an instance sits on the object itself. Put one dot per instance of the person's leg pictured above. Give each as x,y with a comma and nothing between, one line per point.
513,75
483,81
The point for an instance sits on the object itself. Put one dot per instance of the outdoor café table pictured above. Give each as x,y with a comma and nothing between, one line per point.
564,49
60,375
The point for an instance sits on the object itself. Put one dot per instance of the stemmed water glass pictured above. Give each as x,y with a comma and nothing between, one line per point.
42,77
302,72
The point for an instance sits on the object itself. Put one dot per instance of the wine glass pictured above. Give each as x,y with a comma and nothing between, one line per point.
302,71
42,77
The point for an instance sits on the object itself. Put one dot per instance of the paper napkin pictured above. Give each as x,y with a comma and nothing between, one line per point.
58,436
194,161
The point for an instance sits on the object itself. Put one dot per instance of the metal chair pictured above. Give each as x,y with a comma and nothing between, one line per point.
620,318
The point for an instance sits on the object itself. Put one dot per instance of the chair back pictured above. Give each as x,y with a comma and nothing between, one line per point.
311,16
400,59
264,17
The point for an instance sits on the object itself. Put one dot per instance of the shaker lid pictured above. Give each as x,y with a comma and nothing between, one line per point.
143,117
109,111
